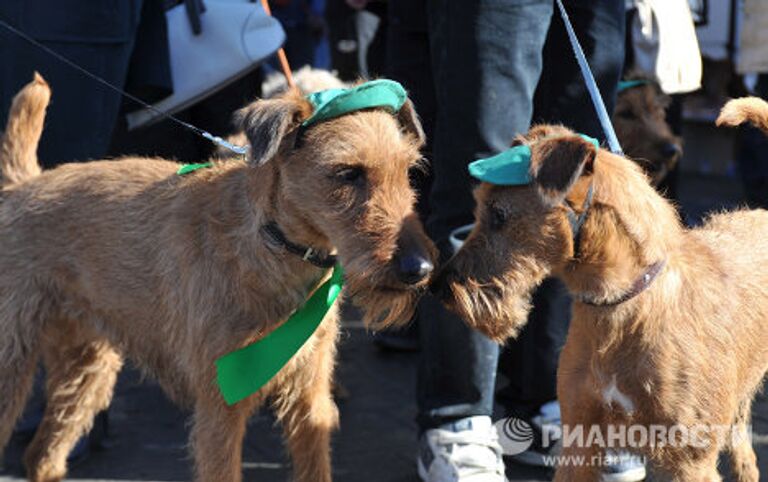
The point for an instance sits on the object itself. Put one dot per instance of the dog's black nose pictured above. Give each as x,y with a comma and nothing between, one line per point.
413,267
671,150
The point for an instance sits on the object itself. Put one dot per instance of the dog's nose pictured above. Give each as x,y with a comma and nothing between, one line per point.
671,150
413,267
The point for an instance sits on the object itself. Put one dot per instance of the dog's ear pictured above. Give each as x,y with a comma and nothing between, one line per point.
409,119
271,125
557,163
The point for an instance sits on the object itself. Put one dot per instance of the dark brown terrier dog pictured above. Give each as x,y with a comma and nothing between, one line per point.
107,259
668,323
640,120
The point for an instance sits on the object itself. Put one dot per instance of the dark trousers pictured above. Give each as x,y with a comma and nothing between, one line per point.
490,60
99,36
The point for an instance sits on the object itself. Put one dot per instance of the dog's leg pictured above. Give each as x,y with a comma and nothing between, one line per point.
308,426
577,462
309,417
80,383
701,470
580,411
217,439
743,459
16,376
21,315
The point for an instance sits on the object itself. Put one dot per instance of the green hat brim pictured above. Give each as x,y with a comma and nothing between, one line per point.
631,84
511,167
332,103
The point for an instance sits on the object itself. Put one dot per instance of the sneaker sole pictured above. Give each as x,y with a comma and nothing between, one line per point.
422,471
532,459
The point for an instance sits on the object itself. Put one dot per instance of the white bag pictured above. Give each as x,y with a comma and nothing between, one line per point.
236,36
666,46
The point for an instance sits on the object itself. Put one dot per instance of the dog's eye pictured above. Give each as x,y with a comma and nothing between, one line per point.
626,114
350,175
496,218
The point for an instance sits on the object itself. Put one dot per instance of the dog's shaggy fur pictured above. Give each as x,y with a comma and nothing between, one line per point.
640,120
688,351
107,259
307,79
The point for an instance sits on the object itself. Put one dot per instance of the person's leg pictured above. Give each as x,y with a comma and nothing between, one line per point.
342,38
486,58
562,95
99,37
530,362
408,62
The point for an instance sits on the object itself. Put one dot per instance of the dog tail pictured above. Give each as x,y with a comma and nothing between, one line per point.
18,148
738,111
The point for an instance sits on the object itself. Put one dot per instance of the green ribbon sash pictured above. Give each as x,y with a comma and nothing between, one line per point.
244,371
187,168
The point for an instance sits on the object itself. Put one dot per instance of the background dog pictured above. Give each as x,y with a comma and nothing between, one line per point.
107,259
640,120
668,323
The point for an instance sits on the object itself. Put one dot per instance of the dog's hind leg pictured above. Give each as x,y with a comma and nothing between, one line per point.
20,324
308,412
743,459
16,376
81,376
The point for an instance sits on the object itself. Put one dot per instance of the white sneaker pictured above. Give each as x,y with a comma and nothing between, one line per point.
466,450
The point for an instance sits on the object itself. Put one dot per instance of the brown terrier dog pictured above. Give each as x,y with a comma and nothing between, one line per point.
640,120
111,258
668,323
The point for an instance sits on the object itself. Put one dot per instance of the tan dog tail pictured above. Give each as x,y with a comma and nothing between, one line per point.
738,111
18,149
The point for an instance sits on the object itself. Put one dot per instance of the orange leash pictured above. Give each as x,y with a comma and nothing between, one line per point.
280,52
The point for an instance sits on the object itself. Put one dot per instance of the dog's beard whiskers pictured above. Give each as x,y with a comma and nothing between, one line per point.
382,306
384,310
491,307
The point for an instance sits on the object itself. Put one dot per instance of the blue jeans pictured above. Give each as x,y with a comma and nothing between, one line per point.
498,65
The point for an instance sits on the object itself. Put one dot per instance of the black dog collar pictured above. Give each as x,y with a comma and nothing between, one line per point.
319,258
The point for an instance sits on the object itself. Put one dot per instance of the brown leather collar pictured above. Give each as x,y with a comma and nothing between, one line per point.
641,284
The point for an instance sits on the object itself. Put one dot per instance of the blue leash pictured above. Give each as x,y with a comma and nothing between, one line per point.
589,79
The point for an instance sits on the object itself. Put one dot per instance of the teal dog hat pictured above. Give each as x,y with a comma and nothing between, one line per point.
511,167
332,103
631,84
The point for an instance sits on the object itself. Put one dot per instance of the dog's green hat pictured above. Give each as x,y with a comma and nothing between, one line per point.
631,84
333,103
511,167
